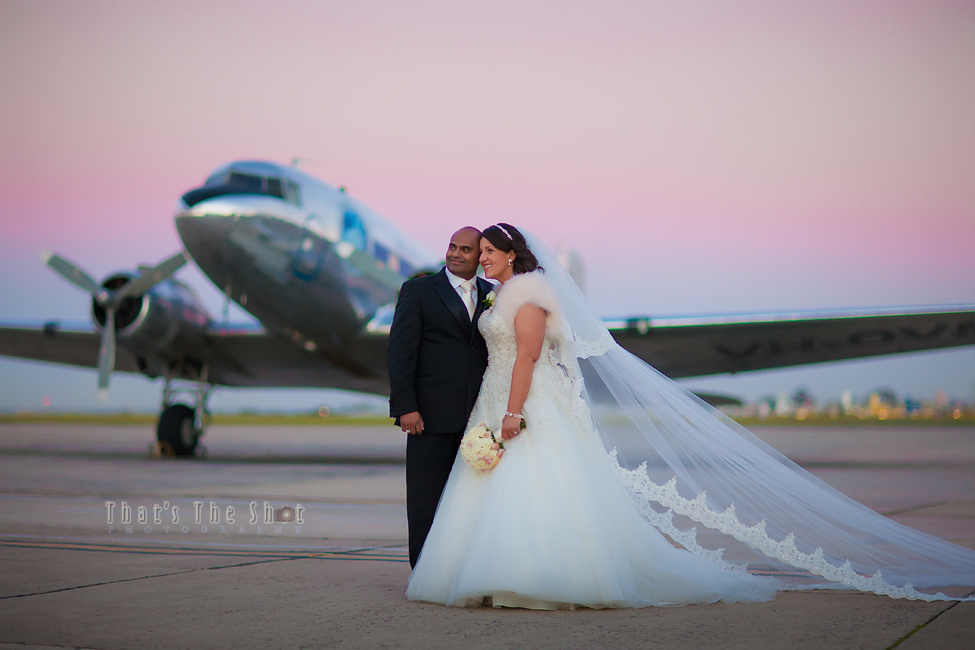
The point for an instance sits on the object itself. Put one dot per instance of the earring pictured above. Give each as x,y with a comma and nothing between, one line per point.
510,261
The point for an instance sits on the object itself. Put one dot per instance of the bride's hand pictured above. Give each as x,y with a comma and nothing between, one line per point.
510,427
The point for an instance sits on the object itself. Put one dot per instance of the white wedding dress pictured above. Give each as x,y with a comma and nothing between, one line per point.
615,454
552,526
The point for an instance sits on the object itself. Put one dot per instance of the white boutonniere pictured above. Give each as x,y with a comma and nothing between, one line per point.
488,301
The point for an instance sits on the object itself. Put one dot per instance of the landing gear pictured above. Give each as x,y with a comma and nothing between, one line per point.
180,427
176,431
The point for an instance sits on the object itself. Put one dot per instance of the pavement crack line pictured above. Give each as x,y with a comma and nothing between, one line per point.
920,627
161,575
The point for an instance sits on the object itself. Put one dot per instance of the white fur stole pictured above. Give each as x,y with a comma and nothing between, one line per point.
530,289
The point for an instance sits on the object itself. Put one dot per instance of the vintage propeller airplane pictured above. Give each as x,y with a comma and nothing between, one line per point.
320,272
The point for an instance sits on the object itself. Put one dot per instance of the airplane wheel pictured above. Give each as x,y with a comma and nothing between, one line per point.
176,429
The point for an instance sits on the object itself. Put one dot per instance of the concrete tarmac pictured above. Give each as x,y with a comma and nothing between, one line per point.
336,579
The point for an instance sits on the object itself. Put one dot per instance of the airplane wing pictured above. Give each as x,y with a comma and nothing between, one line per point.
679,347
257,359
690,347
57,343
236,356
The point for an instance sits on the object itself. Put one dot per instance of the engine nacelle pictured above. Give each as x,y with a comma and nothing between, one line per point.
168,321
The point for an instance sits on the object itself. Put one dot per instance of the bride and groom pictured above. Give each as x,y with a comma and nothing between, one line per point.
615,456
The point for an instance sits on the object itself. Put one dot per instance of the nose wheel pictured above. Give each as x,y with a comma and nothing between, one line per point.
180,427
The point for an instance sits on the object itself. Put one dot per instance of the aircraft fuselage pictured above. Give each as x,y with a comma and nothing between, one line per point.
305,258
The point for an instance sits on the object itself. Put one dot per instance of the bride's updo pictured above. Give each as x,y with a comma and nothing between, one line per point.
506,238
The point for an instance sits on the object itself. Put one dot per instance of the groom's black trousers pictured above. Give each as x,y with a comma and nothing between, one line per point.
429,457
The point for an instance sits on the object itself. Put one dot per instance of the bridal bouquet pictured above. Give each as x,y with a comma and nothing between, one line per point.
480,449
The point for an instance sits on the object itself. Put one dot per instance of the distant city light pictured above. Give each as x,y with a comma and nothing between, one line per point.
880,404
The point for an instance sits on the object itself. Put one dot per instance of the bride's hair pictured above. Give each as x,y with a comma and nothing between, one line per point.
506,238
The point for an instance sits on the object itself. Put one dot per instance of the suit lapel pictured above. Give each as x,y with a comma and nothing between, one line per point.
483,289
452,300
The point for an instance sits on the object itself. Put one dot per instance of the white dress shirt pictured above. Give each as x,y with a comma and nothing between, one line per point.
455,282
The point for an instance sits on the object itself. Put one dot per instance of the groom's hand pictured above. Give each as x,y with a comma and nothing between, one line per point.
411,423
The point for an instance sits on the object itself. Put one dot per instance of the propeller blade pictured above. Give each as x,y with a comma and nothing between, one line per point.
106,355
70,272
147,279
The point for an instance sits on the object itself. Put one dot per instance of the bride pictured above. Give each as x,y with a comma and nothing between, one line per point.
625,490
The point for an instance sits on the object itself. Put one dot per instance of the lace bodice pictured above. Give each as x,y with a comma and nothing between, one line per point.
499,334
555,373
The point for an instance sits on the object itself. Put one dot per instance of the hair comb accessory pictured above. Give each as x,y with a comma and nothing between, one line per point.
508,234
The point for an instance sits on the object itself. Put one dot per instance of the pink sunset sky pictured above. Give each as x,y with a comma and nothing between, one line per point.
705,157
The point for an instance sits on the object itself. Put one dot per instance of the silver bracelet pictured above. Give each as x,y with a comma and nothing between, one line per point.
515,415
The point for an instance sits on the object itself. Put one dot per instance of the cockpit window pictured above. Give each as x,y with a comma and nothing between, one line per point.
273,186
292,193
219,178
232,182
245,183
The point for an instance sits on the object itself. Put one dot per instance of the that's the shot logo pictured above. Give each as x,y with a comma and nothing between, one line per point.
188,517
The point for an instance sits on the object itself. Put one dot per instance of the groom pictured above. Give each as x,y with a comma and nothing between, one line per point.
436,358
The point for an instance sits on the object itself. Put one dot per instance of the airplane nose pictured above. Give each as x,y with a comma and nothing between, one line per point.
203,233
230,247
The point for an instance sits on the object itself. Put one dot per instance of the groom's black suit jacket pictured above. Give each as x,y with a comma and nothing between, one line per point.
436,357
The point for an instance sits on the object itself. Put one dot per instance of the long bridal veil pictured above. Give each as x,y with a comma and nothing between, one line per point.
718,490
